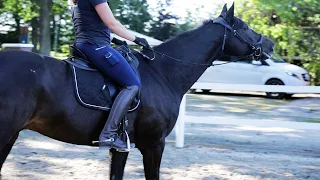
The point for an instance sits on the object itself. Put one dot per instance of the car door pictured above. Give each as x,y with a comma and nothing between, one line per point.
240,72
217,73
245,72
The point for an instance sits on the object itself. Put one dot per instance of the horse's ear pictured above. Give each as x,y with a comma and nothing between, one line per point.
224,11
230,15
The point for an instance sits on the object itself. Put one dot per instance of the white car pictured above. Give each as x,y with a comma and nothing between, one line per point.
273,71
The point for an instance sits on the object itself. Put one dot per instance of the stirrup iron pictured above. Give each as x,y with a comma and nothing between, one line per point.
108,140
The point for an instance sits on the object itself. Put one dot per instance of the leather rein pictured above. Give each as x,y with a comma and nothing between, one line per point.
256,52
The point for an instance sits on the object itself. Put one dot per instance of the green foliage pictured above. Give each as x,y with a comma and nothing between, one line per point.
66,31
293,25
20,9
13,14
164,24
133,13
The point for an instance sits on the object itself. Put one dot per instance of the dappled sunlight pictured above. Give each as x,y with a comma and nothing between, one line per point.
267,129
210,152
208,171
313,168
285,110
284,135
226,128
235,109
136,171
254,104
243,136
49,167
213,150
288,174
204,106
44,145
232,103
292,135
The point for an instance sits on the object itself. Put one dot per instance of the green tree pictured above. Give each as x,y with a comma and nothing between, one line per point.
132,13
163,25
14,14
64,26
293,25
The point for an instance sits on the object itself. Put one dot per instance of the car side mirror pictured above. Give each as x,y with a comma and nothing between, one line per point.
257,63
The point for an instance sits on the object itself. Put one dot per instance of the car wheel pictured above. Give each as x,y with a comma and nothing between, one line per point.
206,91
288,96
274,95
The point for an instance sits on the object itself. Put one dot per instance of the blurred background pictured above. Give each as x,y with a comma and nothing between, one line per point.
229,134
294,25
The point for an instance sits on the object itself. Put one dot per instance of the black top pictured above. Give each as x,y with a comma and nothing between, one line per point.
88,25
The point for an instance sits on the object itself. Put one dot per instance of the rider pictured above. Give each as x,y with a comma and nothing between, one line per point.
93,21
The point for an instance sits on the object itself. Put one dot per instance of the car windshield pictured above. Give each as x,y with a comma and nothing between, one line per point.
277,59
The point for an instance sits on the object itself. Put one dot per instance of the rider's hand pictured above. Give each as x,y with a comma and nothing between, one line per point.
118,41
142,42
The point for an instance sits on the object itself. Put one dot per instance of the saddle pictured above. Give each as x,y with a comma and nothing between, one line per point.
92,89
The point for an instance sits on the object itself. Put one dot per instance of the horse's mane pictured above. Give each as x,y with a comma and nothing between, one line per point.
181,35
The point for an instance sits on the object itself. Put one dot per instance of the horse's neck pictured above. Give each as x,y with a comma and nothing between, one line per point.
187,51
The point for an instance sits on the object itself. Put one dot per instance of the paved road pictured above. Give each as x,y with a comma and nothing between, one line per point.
213,151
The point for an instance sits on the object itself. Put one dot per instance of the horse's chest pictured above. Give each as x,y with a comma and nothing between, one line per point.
158,114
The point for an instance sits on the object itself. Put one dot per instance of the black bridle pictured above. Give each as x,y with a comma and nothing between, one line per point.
256,49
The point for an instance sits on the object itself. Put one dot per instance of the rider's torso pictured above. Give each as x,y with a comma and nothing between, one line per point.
88,25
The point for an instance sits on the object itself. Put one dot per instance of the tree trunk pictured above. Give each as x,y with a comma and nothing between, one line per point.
35,33
45,35
17,32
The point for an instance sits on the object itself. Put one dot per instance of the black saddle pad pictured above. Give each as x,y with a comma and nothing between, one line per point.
94,90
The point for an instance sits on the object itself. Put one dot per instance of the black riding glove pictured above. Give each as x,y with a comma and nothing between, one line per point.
142,42
118,41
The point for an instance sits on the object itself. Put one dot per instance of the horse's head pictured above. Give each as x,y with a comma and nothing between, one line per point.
239,39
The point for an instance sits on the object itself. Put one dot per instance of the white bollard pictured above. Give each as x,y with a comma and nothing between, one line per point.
179,128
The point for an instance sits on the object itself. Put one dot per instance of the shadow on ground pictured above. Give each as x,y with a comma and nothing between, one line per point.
211,152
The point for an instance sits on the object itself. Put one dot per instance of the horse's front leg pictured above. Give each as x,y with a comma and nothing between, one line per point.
6,150
152,160
117,163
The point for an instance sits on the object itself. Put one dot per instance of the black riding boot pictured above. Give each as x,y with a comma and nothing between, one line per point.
109,136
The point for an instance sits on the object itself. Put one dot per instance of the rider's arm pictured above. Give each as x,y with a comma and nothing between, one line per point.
109,20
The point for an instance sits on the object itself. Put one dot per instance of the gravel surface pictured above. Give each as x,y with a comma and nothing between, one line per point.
211,151
301,108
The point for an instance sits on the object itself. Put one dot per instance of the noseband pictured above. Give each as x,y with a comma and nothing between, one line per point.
256,51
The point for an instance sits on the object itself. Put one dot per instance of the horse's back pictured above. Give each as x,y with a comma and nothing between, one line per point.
16,56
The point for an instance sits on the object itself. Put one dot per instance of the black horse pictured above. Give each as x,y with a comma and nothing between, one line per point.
36,92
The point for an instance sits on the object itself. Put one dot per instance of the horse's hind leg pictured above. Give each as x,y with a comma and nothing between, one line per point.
6,150
118,162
